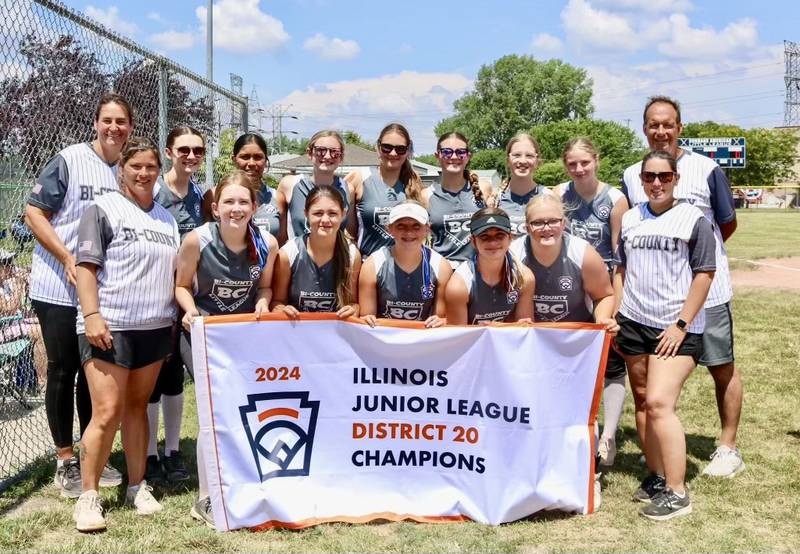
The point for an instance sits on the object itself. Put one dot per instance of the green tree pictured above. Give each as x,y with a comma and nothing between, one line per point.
771,153
516,93
493,158
351,137
427,159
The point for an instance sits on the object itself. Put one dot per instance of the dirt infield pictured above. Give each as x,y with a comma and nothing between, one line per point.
773,273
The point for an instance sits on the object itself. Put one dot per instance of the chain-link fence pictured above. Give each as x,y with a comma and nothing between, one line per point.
54,65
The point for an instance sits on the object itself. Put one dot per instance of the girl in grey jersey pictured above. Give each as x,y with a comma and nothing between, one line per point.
177,190
224,267
326,150
522,159
318,272
405,281
492,286
377,191
453,200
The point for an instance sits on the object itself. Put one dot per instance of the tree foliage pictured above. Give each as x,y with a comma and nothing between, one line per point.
516,93
351,137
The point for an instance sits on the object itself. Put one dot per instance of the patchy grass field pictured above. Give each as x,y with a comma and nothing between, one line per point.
759,510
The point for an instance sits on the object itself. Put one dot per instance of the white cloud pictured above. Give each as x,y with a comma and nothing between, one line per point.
240,26
691,42
652,6
111,19
332,48
174,40
593,29
546,44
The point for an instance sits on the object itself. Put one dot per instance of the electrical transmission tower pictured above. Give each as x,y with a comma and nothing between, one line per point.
236,115
791,107
279,112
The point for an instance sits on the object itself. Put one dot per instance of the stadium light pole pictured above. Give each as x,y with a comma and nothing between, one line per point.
210,77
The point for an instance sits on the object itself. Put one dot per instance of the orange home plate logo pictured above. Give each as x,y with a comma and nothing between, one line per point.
280,428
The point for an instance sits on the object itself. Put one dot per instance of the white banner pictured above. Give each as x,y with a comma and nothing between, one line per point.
321,420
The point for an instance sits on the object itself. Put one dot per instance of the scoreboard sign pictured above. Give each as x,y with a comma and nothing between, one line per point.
728,152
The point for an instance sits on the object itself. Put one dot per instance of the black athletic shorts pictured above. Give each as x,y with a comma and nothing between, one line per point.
130,349
635,339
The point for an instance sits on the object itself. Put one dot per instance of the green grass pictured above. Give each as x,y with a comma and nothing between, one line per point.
759,510
764,233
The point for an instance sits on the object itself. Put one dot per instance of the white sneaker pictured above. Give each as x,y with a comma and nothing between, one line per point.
607,449
725,462
88,513
142,499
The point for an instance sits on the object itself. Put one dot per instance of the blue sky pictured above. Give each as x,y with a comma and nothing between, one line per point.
358,65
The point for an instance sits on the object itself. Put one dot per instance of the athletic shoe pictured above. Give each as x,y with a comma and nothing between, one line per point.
110,477
201,511
154,470
651,486
607,450
666,505
725,462
175,468
68,478
88,513
143,500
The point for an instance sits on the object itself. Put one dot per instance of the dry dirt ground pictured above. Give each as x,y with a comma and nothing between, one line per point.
775,273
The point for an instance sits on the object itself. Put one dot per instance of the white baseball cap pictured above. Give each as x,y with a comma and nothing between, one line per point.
409,209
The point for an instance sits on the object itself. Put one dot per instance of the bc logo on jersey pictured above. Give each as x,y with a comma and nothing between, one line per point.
316,301
456,228
280,428
229,295
550,308
410,311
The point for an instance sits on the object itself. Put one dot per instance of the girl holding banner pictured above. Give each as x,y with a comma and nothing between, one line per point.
405,281
667,262
318,272
224,267
492,286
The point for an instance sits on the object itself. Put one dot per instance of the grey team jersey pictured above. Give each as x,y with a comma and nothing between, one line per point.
267,217
136,253
559,294
311,288
704,185
486,303
377,200
400,293
67,185
661,254
186,211
226,282
296,217
514,205
591,221
450,214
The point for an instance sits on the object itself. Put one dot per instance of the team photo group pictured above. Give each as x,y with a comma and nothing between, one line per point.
130,250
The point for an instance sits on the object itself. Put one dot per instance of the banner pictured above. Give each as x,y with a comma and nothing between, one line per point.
321,420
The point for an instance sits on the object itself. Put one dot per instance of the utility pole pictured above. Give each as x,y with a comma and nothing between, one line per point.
210,77
279,112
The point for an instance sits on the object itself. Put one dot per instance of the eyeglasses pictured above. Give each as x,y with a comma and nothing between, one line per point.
448,153
184,151
539,224
663,176
387,148
517,156
322,151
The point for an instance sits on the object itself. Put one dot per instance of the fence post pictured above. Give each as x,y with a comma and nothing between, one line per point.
245,116
163,80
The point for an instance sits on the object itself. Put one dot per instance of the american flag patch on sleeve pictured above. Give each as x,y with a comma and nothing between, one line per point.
85,246
37,188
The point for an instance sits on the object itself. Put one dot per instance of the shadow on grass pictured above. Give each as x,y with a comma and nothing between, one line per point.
794,434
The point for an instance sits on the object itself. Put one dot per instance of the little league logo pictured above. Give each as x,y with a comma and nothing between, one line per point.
280,429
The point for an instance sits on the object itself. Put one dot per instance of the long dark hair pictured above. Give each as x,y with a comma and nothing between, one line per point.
341,250
250,138
511,274
409,177
469,177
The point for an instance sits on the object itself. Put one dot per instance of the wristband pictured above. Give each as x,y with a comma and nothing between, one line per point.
87,315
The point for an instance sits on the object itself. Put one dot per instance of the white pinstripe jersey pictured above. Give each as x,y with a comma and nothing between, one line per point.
704,185
660,254
67,185
136,253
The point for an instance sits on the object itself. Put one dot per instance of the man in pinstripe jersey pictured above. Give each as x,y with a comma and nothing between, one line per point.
704,185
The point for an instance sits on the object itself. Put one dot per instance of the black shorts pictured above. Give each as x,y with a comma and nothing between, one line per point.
170,377
130,349
615,367
635,339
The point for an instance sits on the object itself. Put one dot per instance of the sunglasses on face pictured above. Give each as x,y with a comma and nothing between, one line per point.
448,153
387,148
539,224
663,176
184,151
322,151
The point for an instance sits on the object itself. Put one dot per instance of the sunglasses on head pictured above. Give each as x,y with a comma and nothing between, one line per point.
322,151
663,176
387,148
186,150
448,153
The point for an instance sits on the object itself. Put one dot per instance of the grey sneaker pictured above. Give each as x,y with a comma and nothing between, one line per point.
201,511
666,505
110,477
725,462
88,513
68,478
143,500
651,486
